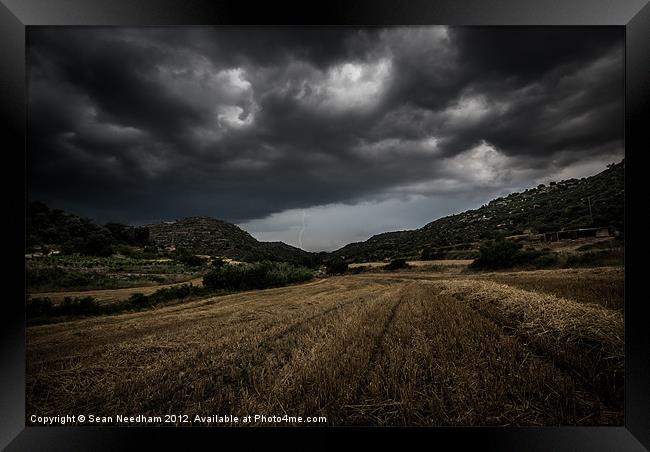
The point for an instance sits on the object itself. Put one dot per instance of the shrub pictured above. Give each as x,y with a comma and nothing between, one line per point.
462,254
55,277
336,266
502,254
87,306
396,264
38,307
96,242
218,262
498,254
545,260
432,254
595,258
228,277
360,269
171,293
139,300
258,275
43,307
189,259
77,306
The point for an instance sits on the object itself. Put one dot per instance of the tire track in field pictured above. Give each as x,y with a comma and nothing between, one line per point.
167,323
53,338
378,351
79,369
135,342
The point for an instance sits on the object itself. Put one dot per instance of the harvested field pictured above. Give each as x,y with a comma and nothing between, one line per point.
405,348
604,286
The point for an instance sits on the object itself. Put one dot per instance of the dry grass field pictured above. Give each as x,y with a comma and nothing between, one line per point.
403,348
604,285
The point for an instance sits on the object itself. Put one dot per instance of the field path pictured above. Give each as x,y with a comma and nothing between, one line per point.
106,295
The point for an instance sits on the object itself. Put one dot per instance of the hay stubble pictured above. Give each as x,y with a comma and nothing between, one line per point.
425,349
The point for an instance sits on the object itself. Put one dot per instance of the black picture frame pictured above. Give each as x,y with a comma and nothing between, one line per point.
16,15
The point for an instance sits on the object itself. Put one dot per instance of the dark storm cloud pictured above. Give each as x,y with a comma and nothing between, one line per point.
144,124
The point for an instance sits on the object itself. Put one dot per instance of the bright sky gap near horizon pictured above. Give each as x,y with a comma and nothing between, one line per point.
315,136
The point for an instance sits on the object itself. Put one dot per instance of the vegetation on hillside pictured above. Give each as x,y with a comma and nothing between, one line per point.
396,264
595,201
76,235
49,229
189,242
209,236
336,266
500,254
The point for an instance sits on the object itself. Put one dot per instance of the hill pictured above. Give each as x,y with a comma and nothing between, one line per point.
595,201
205,235
48,229
53,229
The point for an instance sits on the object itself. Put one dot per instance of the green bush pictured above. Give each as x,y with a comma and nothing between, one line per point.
189,259
38,307
171,293
167,294
77,306
336,266
139,300
258,275
497,254
40,310
546,260
359,269
595,258
97,241
396,264
432,254
43,307
46,277
502,254
218,262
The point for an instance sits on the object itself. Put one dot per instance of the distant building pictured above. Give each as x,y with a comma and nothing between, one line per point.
602,232
564,235
576,234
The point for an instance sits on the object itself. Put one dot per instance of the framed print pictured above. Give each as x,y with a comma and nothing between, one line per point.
358,217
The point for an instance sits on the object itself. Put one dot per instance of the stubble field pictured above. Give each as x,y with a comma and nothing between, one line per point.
404,348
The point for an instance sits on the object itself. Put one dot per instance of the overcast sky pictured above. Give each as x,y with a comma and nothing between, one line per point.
316,137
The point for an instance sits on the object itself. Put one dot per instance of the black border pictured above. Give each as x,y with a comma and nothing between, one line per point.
633,14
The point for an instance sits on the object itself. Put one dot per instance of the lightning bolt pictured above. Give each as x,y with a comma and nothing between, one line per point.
302,229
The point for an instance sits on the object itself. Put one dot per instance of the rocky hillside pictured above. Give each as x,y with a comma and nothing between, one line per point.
204,235
562,205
